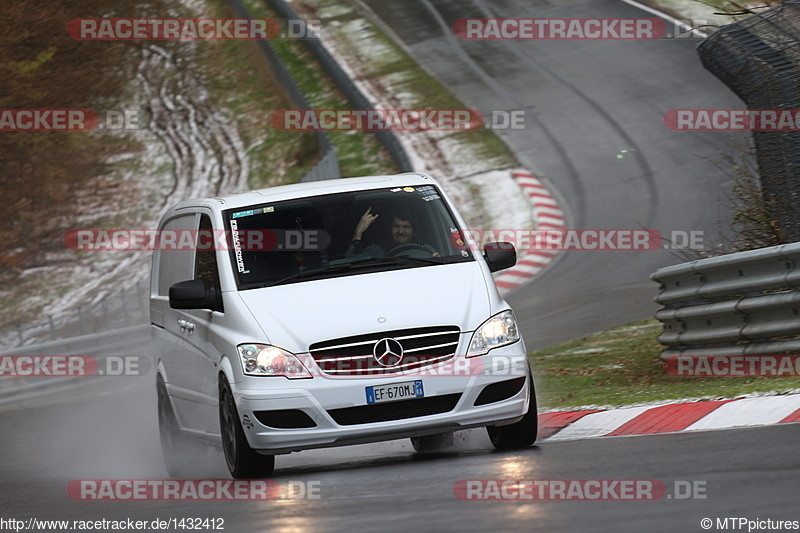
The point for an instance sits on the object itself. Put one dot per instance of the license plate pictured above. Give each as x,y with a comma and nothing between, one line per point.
395,391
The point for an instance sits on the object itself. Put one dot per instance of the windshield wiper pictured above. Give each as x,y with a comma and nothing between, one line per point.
363,262
396,259
339,267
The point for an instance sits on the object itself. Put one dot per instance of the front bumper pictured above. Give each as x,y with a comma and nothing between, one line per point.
324,399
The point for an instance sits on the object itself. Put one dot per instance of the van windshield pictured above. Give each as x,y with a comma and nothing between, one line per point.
343,234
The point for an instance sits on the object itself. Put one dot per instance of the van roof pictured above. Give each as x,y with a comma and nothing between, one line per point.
309,188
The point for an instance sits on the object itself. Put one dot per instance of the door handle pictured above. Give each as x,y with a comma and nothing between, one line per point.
186,325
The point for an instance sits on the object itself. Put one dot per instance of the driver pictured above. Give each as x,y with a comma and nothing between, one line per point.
402,233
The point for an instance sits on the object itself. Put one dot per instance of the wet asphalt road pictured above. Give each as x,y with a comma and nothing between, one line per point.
107,430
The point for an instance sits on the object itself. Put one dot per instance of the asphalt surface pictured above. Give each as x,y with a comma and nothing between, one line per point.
592,100
107,429
588,101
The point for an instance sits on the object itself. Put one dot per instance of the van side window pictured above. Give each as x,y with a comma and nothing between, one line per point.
175,264
205,266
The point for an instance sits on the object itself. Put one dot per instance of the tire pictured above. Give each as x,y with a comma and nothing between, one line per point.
174,446
520,434
243,462
433,443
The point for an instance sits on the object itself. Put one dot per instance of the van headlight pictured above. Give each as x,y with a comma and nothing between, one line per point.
499,330
267,360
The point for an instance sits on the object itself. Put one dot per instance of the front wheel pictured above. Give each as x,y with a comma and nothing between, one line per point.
520,434
243,462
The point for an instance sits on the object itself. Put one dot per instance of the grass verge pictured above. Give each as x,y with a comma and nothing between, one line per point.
620,366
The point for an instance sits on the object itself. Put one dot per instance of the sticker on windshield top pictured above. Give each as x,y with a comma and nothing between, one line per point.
237,248
408,189
251,212
428,193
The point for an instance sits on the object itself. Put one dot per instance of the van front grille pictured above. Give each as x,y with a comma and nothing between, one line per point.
356,355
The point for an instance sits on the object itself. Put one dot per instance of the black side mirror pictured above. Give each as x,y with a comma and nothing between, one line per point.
500,255
192,294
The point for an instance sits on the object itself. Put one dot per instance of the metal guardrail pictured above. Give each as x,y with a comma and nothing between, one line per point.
348,87
123,308
328,166
325,169
746,303
758,58
120,342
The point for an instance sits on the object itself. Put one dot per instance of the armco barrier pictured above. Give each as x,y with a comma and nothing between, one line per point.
747,303
134,340
348,87
126,307
328,166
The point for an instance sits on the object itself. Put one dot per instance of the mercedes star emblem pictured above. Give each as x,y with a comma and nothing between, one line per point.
388,352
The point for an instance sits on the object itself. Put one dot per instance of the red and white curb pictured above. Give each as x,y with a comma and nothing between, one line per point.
547,215
685,416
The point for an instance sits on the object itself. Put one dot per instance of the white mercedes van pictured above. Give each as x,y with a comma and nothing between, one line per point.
331,313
